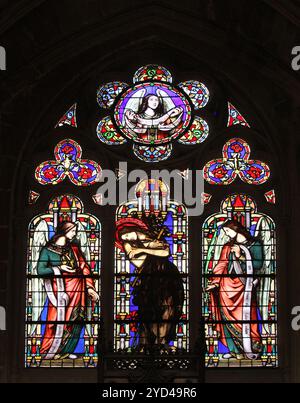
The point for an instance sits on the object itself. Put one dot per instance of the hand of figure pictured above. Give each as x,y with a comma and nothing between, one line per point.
211,287
156,244
175,112
133,252
236,250
93,294
65,267
131,114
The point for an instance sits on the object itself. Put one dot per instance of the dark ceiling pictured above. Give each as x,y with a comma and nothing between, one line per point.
41,35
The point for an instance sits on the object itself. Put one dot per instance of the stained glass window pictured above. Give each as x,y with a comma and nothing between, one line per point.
69,118
107,93
151,291
173,106
68,163
197,92
270,196
152,72
235,117
197,133
235,162
107,133
151,283
63,286
239,283
33,197
152,153
152,113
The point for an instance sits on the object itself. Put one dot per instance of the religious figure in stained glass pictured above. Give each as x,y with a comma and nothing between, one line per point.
151,284
158,287
239,279
152,115
63,286
234,296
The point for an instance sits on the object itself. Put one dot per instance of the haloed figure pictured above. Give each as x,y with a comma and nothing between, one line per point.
152,106
155,116
233,292
158,289
68,284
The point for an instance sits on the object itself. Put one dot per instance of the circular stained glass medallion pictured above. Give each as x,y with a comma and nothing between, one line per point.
152,113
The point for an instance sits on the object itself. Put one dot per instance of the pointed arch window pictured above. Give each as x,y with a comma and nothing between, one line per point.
63,286
239,303
151,272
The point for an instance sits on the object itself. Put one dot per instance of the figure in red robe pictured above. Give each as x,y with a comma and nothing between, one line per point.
233,293
68,284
